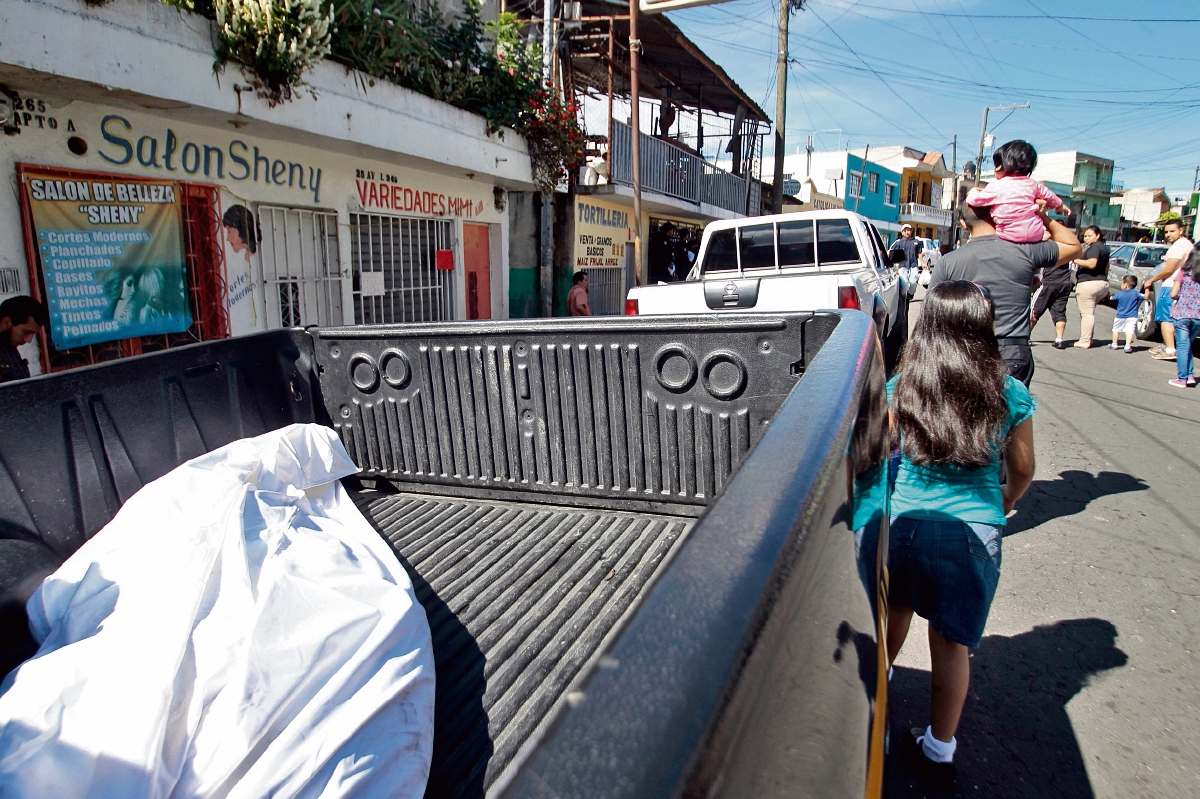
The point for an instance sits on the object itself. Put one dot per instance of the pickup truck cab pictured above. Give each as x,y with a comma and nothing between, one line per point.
789,262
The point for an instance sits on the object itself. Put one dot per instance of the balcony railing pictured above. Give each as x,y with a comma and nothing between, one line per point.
674,171
924,215
1102,187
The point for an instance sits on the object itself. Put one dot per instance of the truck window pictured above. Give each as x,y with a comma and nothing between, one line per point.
796,243
721,254
835,242
758,246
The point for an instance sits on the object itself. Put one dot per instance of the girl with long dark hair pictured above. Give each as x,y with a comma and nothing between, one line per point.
955,410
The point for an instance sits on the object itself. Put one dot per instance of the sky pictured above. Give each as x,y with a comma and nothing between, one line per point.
1119,80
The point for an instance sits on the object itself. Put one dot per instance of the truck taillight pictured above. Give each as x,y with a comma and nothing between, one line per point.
631,308
848,298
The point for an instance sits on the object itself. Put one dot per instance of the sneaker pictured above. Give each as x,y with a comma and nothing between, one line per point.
1191,382
1083,345
1060,345
940,776
1114,346
1163,355
1177,383
1156,348
1127,350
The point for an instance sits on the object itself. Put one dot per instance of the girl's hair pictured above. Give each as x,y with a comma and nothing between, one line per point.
949,399
1191,267
1095,230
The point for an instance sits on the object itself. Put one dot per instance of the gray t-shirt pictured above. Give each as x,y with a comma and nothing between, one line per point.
1006,269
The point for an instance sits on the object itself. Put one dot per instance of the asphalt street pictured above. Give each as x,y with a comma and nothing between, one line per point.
1087,683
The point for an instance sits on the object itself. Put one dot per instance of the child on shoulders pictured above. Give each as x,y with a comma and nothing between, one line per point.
1013,197
1128,299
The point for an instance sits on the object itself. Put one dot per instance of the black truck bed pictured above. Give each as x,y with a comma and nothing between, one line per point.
630,535
520,597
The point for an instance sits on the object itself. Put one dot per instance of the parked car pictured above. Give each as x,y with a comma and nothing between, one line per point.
802,261
1141,261
630,535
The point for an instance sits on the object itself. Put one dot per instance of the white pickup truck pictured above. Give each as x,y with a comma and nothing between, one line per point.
804,261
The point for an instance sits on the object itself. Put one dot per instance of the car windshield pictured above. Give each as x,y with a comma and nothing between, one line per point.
756,246
1120,256
1149,257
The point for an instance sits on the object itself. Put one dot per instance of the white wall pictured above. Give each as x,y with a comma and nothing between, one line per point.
1056,167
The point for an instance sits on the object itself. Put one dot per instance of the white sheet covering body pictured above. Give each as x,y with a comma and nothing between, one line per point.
237,630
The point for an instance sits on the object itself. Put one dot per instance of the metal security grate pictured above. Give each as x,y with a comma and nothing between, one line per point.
395,273
301,268
606,290
10,281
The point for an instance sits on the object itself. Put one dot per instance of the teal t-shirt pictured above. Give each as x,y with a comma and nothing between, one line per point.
952,492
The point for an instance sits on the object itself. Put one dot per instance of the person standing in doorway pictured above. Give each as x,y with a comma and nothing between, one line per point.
577,297
1091,283
21,318
1177,256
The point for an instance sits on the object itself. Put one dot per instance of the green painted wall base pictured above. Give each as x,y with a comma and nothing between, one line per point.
562,286
523,294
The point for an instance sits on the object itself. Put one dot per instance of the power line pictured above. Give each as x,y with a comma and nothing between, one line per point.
1156,20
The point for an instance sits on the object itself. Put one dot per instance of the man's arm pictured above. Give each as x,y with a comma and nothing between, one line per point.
1069,247
1168,268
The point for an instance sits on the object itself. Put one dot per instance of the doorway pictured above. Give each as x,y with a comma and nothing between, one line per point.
478,269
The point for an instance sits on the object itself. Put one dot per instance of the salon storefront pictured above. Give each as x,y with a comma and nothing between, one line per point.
142,232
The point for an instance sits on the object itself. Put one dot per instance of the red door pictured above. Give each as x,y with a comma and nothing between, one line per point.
477,261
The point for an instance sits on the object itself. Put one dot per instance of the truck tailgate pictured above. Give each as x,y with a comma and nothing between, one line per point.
520,597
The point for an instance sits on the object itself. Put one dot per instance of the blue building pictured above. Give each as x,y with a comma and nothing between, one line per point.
871,190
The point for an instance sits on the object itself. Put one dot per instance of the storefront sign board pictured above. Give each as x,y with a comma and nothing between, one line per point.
601,232
111,256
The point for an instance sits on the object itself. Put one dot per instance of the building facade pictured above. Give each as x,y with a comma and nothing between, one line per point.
356,207
1092,187
865,187
922,182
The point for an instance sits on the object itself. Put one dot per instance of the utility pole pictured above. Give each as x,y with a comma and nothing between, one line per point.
785,11
862,175
635,144
983,134
954,201
546,251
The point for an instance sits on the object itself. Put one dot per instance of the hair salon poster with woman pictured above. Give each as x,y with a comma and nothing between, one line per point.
111,255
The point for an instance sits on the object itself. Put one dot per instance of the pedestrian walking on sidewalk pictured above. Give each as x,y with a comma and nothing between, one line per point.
1185,314
955,409
577,297
1177,256
1128,299
1091,283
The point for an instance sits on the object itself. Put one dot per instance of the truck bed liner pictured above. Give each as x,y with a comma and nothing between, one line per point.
520,597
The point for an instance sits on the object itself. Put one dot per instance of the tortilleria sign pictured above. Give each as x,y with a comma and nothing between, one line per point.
111,255
601,231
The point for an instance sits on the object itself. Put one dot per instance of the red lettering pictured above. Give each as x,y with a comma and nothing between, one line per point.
441,205
372,196
397,196
362,192
408,199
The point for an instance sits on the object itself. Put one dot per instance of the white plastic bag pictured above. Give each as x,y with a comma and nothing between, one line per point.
239,630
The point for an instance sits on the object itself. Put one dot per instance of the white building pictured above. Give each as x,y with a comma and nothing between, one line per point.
365,205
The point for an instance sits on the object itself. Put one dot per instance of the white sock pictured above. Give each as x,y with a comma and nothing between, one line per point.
1058,341
938,751
1169,349
890,670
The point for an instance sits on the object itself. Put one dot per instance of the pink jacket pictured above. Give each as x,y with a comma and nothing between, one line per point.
1011,201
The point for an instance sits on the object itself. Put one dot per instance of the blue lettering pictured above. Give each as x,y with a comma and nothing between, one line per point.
169,150
237,159
112,138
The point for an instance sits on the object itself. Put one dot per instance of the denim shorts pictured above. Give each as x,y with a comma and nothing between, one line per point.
947,572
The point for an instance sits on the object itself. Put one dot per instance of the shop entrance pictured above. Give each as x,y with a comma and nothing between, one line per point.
301,267
394,261
478,267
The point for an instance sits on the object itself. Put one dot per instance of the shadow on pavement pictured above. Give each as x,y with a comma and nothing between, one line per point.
1071,493
1015,738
